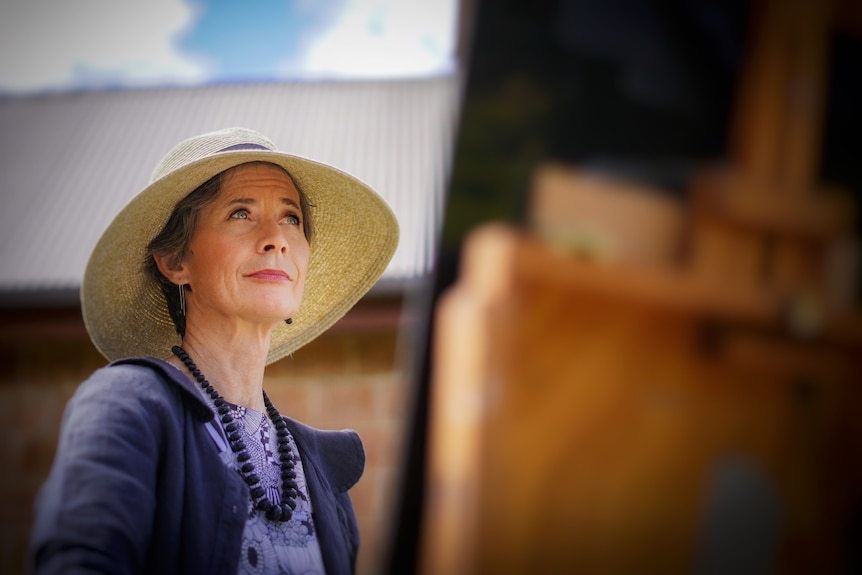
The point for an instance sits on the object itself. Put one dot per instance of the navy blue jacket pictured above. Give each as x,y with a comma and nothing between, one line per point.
137,485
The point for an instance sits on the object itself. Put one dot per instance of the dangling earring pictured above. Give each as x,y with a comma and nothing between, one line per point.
182,300
288,321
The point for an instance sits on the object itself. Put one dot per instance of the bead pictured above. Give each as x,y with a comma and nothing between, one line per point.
219,401
285,457
252,479
292,503
231,427
223,410
245,456
227,418
235,436
288,474
257,492
238,446
247,468
273,513
286,513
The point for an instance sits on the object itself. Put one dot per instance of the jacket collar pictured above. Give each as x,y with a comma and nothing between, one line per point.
339,453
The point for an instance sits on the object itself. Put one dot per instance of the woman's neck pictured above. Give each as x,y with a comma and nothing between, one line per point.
233,365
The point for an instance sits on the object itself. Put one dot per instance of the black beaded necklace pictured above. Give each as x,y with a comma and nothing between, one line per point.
274,511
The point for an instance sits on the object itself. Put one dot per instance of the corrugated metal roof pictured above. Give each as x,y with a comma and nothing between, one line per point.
70,162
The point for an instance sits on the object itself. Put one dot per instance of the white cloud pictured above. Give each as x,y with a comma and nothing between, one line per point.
62,44
47,44
373,38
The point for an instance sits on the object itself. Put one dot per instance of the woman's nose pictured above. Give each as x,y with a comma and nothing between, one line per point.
272,238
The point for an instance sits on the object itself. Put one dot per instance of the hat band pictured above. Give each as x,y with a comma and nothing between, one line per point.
237,147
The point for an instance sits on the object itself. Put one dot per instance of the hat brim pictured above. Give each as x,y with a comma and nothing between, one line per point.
355,236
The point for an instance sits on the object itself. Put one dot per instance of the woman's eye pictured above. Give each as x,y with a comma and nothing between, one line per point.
240,214
293,220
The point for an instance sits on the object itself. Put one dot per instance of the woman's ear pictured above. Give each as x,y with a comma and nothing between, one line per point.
175,275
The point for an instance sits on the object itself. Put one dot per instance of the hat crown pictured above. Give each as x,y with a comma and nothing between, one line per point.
205,145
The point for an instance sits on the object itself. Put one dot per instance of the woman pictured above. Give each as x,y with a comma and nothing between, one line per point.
172,459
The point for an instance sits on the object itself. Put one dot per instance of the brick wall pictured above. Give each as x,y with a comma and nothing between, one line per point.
351,377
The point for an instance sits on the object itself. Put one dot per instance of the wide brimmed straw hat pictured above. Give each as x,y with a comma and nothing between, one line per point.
355,236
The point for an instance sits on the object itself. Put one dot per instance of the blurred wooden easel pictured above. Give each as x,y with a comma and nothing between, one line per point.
687,405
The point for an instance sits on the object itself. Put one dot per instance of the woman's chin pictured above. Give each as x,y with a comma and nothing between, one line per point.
275,308
272,317
274,305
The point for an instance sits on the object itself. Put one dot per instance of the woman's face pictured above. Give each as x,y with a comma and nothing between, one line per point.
248,256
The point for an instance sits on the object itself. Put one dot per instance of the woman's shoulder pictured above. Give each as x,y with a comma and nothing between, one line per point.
339,453
142,380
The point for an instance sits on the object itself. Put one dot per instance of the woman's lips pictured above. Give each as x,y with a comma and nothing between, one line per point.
272,275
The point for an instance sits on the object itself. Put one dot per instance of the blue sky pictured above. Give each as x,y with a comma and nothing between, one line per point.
49,45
